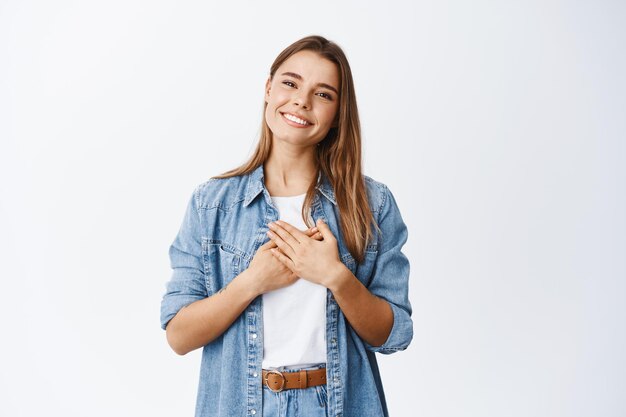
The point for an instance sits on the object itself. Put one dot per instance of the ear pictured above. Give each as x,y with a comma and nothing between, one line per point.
268,87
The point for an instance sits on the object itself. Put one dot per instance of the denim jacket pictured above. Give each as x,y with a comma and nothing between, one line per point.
224,224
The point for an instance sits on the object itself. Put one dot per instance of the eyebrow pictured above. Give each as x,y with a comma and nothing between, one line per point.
299,77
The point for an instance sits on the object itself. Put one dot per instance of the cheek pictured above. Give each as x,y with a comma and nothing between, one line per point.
329,115
278,95
273,103
270,110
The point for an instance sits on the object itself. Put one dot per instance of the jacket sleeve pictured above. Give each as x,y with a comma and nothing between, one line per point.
390,276
187,282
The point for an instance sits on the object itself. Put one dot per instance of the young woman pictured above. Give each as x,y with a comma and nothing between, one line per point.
288,270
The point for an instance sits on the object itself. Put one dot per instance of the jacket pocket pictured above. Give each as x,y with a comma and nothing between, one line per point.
222,261
364,269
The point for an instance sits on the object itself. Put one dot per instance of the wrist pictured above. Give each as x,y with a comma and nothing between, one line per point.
248,283
338,275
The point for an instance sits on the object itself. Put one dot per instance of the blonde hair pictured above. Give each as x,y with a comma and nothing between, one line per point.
338,155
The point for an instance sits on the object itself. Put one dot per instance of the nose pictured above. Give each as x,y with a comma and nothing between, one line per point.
301,99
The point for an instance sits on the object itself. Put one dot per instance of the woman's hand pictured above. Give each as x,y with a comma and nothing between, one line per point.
266,273
311,259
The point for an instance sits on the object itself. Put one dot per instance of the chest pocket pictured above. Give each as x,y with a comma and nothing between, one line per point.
222,262
365,269
362,271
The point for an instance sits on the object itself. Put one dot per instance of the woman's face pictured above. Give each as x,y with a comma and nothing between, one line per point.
302,99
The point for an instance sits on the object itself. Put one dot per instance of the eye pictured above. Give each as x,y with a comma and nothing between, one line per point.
326,96
289,83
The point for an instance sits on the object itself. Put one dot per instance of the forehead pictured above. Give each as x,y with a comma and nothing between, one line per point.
312,67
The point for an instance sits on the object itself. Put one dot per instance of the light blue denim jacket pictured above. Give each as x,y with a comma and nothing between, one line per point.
224,225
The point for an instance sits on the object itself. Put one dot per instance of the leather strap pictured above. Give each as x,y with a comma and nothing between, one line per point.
278,381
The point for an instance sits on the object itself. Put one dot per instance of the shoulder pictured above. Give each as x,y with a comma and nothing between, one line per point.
377,193
220,192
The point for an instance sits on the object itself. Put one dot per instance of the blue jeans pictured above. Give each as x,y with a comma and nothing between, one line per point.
298,402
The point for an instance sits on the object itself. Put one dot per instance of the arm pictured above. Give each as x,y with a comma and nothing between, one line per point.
203,321
189,318
367,309
370,316
380,313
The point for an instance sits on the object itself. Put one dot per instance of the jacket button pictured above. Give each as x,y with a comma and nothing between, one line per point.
254,335
253,411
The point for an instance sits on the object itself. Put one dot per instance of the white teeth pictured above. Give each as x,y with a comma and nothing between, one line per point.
295,119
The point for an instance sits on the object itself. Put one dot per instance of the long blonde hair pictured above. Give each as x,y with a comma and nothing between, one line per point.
338,155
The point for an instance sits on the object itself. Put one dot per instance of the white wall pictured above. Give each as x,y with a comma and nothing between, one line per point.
499,126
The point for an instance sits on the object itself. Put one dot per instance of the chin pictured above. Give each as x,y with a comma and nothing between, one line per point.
293,140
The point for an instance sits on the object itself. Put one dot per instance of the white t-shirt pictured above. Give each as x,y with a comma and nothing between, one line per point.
294,317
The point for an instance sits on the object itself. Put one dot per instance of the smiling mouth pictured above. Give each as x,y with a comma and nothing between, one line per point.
296,119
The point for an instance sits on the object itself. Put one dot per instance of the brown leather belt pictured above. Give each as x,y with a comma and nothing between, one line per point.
278,381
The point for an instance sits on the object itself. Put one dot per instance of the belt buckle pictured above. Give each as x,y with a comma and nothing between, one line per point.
274,371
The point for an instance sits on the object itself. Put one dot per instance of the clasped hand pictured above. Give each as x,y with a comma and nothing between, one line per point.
306,257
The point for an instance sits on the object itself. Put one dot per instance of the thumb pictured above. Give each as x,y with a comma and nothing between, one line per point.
324,229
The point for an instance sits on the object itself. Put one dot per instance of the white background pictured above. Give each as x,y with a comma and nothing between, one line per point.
499,127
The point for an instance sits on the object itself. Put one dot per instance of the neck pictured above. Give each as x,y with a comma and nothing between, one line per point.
289,172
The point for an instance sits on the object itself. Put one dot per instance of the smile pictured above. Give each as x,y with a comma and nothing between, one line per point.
296,119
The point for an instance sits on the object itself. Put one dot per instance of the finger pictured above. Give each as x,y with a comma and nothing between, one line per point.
282,258
284,246
317,236
311,231
295,232
324,229
279,228
267,245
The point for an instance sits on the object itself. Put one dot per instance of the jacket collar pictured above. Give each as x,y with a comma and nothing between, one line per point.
256,185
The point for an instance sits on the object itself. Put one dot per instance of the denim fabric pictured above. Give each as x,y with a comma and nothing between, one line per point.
306,402
224,224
